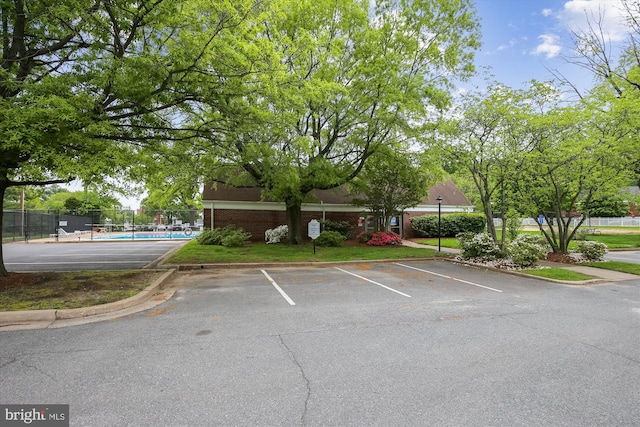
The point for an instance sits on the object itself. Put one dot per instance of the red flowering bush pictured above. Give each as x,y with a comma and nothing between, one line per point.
383,238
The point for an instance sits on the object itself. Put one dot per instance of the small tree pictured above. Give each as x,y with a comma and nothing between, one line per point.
486,145
392,181
575,156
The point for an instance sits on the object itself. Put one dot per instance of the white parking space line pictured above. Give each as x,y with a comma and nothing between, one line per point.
375,283
275,285
447,277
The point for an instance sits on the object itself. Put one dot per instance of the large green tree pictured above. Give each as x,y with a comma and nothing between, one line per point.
344,79
616,69
85,85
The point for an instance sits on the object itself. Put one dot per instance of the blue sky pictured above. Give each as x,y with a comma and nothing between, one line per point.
522,39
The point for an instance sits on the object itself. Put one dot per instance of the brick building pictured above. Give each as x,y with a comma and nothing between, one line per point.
244,207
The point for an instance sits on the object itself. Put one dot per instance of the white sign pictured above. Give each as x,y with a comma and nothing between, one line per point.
314,229
62,223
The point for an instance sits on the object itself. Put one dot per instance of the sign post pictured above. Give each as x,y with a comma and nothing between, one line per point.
313,232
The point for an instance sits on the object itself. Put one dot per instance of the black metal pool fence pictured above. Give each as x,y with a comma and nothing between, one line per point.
39,224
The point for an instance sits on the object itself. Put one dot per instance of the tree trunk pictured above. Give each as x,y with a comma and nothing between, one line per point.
504,232
294,222
387,223
3,269
488,213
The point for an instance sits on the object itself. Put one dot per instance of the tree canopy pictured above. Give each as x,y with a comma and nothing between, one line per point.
344,78
87,85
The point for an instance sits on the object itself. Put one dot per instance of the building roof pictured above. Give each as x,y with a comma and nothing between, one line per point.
451,195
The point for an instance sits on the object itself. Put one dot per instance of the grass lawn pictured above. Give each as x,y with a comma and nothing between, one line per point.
46,291
194,253
558,274
619,241
445,242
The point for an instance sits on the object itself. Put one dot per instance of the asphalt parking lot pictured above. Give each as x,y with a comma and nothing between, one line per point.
365,344
76,256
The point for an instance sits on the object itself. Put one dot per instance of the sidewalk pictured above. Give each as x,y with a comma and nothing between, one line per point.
411,244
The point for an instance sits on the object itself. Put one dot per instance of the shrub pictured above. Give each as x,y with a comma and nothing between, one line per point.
342,227
479,245
364,237
527,249
536,239
383,238
454,224
276,235
592,250
234,236
450,224
425,225
210,237
330,238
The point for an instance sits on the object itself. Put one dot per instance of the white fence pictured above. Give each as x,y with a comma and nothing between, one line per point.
627,221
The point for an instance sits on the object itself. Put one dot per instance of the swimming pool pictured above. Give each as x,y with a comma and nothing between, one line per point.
146,235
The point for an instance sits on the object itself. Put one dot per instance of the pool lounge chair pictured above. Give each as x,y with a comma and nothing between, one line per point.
63,233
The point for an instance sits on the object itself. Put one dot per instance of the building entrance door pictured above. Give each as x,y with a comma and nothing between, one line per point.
395,226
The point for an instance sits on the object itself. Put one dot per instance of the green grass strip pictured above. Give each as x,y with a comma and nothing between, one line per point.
194,253
558,274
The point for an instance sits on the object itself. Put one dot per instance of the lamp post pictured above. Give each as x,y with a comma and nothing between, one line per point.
439,199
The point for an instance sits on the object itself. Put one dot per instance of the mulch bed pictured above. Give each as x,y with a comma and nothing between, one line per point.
16,280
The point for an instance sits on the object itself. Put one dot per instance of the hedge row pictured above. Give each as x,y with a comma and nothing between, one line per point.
450,224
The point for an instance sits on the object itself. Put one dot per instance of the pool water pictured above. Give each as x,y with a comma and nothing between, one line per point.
146,235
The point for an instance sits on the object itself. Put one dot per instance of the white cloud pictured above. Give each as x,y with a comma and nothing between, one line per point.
546,12
509,45
550,46
577,14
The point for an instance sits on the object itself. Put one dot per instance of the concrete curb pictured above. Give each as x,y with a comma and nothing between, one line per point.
14,317
11,318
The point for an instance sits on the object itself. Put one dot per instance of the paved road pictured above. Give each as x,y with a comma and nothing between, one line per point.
420,343
624,256
30,257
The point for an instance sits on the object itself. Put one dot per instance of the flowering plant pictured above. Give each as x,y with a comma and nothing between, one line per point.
592,250
275,235
527,249
383,238
479,245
